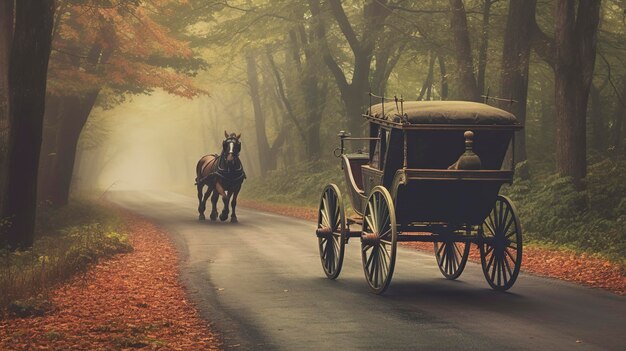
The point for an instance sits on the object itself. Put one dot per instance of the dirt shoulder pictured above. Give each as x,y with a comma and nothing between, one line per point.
560,264
132,300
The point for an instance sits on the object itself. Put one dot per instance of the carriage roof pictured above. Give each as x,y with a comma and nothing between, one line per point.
440,113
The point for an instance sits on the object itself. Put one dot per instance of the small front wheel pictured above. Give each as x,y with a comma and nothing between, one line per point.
331,231
379,240
501,245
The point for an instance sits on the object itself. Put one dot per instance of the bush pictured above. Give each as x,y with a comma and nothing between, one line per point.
67,241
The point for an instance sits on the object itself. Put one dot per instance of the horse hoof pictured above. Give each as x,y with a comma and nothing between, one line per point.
201,217
213,217
223,217
233,220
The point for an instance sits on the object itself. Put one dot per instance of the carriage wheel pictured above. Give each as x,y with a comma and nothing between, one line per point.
501,245
379,240
331,231
451,257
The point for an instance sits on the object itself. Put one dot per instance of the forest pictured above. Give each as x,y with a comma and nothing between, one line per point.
83,81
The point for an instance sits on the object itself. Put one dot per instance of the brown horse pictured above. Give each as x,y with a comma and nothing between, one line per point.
223,175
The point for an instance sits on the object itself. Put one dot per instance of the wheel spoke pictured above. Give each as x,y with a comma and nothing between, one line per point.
508,267
441,248
368,219
493,256
457,249
510,255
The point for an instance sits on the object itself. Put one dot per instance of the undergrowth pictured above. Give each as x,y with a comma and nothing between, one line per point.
68,240
300,184
553,213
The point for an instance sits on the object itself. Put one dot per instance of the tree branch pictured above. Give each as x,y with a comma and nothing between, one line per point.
344,25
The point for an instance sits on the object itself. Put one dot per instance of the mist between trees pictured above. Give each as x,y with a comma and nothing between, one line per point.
137,91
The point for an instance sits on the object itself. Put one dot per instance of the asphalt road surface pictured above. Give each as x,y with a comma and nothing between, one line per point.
261,284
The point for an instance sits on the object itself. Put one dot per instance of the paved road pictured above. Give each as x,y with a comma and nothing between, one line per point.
261,283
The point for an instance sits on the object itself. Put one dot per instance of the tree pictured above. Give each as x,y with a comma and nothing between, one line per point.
575,41
463,52
102,54
515,64
353,93
28,68
6,34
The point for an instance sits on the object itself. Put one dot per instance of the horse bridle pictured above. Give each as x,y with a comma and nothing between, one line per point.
233,143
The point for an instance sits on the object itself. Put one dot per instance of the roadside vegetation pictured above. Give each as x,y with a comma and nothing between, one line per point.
553,212
68,241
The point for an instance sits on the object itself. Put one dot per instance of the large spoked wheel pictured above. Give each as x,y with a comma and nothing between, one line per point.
451,257
379,240
331,231
501,245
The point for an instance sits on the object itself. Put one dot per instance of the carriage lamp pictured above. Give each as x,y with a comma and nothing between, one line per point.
342,135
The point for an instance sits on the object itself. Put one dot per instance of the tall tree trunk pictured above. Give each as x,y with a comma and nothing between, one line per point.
52,118
27,90
515,62
76,113
463,51
575,38
266,161
428,83
618,131
598,129
6,34
443,77
484,45
354,93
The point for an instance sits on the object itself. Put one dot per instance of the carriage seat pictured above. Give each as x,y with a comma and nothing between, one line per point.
443,112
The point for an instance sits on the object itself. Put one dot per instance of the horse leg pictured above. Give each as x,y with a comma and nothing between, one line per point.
201,203
233,204
204,200
214,198
226,199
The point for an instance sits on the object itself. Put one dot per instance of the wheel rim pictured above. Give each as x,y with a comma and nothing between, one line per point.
451,257
501,245
331,226
378,240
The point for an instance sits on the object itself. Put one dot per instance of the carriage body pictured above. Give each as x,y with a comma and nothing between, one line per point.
416,161
410,154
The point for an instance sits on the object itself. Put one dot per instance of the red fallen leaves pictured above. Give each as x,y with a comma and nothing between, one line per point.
580,268
131,301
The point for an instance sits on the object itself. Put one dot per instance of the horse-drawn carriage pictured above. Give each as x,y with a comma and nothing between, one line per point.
432,174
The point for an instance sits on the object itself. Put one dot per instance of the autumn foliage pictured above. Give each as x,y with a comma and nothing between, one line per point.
122,47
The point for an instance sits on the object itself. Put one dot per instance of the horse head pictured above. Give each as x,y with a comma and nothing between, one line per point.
231,146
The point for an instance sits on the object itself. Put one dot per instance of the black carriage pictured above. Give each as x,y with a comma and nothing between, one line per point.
432,174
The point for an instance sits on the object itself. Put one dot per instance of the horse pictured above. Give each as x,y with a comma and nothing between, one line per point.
223,175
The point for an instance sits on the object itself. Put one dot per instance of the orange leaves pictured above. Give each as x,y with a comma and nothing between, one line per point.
120,46
130,301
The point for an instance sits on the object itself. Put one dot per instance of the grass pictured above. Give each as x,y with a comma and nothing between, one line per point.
68,240
553,213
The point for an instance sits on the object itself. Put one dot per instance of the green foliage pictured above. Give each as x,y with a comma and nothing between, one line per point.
68,241
553,211
300,184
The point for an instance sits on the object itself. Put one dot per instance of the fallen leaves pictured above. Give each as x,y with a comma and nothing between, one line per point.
131,301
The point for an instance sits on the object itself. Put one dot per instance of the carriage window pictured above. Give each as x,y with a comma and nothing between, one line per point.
378,157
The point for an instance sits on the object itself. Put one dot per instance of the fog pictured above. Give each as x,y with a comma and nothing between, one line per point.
151,142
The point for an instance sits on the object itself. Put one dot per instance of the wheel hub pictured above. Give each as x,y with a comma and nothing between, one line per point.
324,232
370,239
